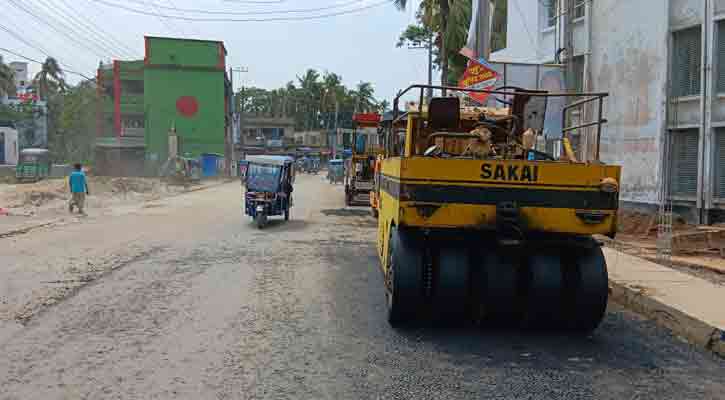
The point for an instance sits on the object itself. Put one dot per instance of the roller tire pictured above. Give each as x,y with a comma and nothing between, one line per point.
500,294
589,290
450,295
544,299
404,289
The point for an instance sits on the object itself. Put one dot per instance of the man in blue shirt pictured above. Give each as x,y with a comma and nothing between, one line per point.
78,189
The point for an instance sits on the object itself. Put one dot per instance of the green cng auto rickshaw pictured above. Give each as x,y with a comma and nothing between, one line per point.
335,171
33,165
269,182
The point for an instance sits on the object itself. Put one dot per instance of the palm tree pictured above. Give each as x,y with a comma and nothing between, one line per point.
364,96
431,8
50,79
383,106
331,90
7,80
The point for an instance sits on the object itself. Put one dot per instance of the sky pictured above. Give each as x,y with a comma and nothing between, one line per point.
359,46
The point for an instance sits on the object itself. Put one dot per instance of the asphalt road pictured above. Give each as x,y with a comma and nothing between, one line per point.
193,302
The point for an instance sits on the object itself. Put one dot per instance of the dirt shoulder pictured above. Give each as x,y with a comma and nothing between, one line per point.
29,206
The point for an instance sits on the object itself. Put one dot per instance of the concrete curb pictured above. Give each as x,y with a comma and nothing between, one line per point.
697,332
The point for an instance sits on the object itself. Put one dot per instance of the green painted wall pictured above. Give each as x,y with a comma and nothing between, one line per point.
187,53
201,133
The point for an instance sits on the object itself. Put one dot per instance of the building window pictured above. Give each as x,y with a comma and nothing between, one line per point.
683,162
719,165
580,8
721,56
686,62
551,8
577,79
499,23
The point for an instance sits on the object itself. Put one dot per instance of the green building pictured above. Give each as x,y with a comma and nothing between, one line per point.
181,86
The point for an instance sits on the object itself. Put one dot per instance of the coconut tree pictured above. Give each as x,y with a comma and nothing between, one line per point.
429,10
50,79
7,80
364,96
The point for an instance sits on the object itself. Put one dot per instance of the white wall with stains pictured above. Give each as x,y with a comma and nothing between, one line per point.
629,60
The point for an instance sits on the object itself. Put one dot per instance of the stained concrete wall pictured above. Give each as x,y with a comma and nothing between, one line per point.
629,60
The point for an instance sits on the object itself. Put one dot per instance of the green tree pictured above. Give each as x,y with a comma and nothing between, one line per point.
449,20
7,80
383,106
363,97
50,80
76,122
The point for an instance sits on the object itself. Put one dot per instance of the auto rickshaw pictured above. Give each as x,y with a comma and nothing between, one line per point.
336,171
269,182
33,165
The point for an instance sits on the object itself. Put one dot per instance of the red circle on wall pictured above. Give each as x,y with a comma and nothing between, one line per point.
187,106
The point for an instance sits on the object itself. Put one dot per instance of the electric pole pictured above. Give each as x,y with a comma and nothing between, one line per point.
429,47
483,29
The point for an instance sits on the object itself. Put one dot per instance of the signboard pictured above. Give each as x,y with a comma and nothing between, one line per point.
367,118
478,75
274,143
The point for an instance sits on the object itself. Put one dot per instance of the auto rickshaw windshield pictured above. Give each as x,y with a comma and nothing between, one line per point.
263,178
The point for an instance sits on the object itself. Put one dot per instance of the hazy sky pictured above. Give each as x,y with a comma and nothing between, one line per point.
358,46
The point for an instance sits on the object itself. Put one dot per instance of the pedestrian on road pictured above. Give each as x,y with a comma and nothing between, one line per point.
78,188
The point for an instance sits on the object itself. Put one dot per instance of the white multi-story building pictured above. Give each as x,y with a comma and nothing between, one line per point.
22,82
663,63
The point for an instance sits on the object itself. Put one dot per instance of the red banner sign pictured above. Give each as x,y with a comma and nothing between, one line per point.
478,76
367,118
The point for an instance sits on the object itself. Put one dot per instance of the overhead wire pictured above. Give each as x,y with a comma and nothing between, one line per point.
267,12
17,54
112,38
29,43
55,28
271,19
100,40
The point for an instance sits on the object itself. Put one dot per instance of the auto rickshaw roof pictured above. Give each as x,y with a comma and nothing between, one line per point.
33,151
270,160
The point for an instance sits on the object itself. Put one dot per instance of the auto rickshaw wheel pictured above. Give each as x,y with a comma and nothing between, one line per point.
286,214
261,220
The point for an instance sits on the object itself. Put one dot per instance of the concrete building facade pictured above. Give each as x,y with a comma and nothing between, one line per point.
180,86
663,64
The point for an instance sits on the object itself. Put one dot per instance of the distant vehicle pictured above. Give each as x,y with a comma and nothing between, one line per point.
336,171
33,165
269,182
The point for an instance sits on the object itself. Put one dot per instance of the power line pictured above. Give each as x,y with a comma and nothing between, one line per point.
27,42
125,48
161,19
40,62
53,27
100,43
272,19
268,12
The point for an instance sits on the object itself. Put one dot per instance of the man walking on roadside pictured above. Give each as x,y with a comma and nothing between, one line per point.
78,189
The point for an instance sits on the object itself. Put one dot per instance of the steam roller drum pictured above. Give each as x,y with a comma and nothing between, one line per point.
544,300
404,280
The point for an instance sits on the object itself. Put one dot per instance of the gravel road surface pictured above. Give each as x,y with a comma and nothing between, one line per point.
185,299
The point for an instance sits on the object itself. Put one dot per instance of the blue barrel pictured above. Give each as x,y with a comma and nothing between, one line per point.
209,163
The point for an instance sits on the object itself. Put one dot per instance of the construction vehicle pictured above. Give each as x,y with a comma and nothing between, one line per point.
386,124
477,220
359,171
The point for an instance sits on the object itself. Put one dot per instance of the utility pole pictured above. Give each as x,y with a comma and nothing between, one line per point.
236,114
429,47
483,29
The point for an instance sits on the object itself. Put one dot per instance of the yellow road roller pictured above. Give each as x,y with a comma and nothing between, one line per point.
484,214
